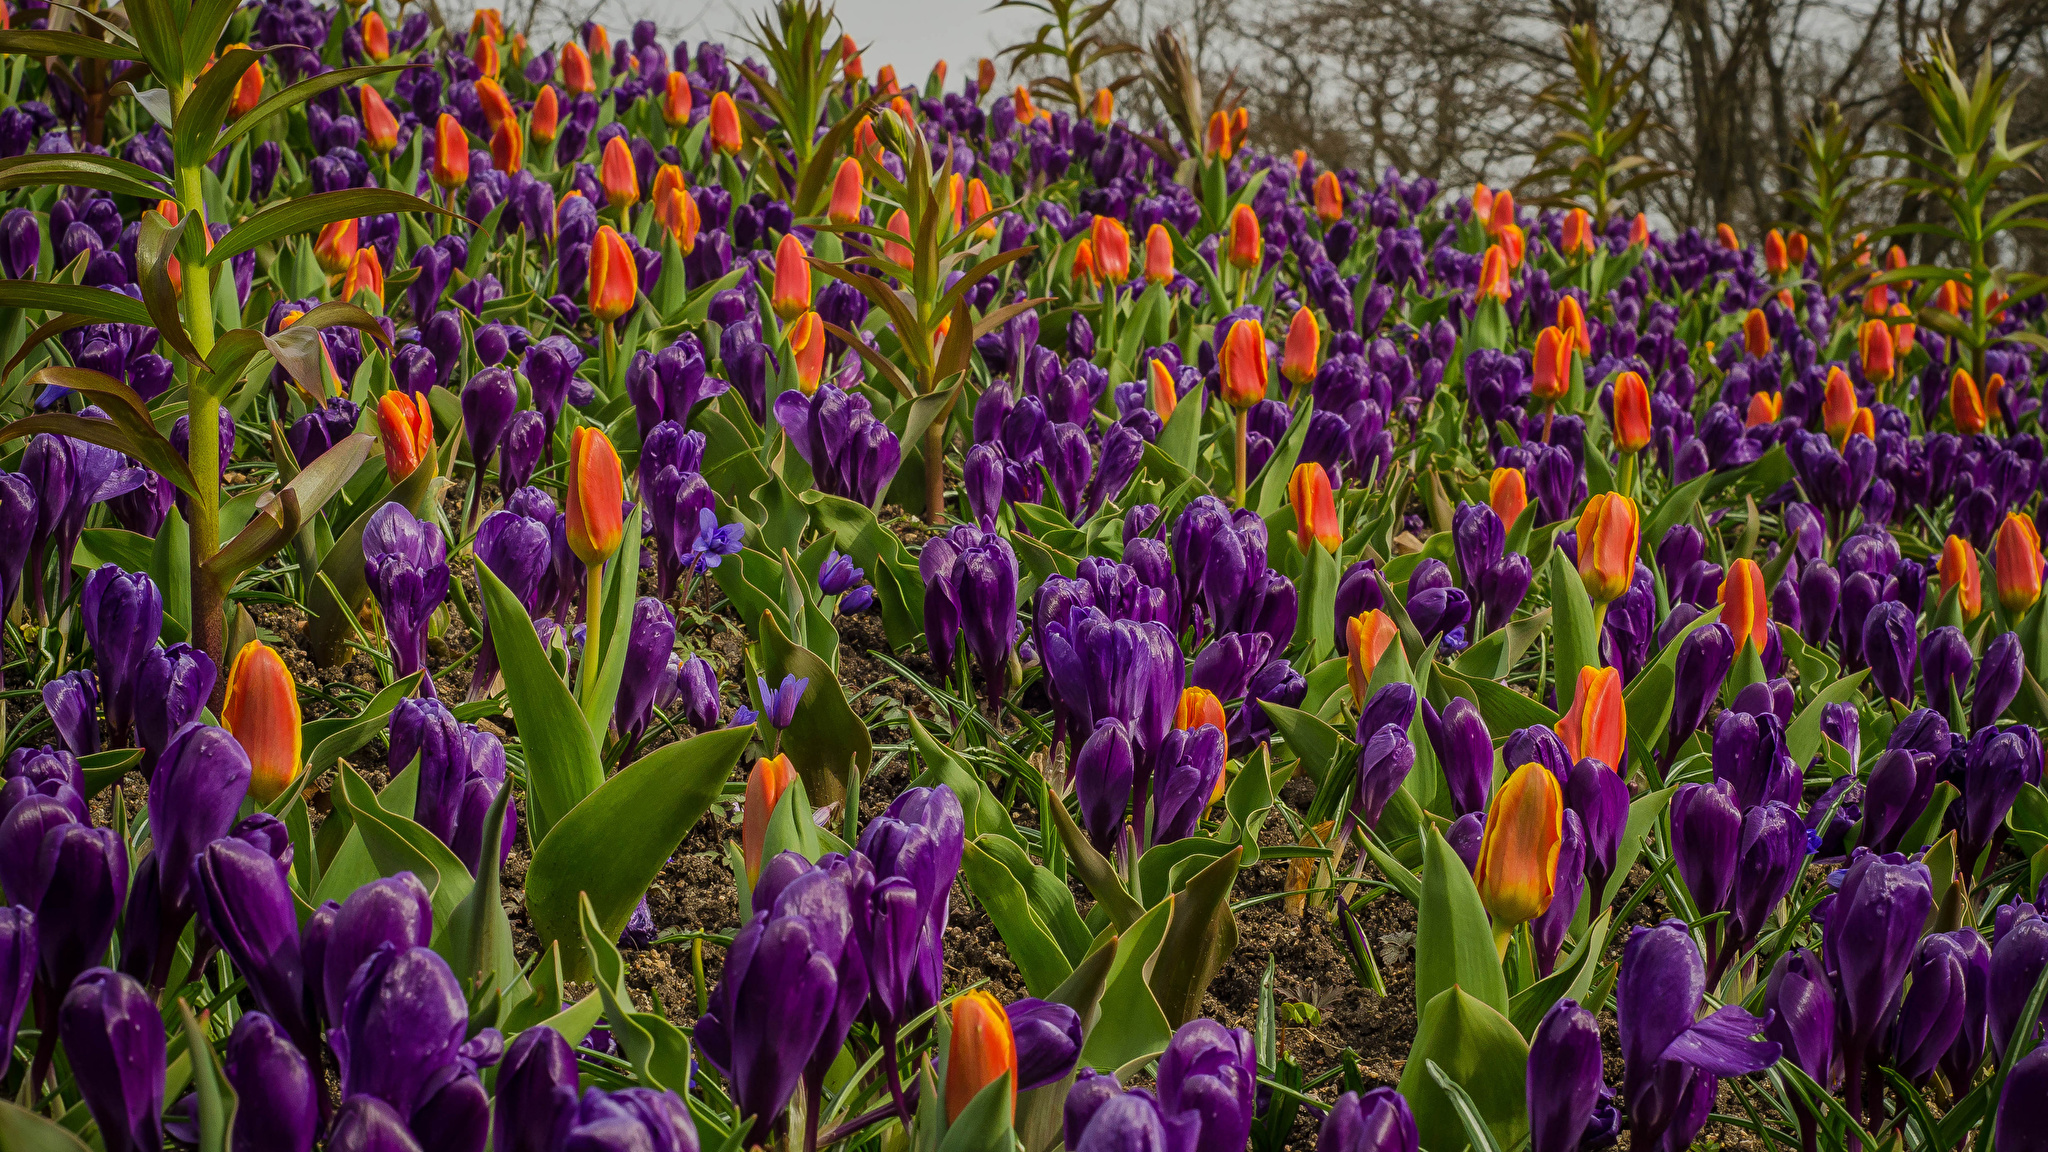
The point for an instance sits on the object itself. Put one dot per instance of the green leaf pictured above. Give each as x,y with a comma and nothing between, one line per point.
613,844
1453,937
97,303
1096,873
985,1124
826,740
23,1131
81,170
397,844
1571,615
1029,941
1200,937
39,42
216,1097
1040,1110
1314,742
205,107
1476,1046
278,520
1647,702
621,579
309,213
127,427
1181,438
333,737
1132,1024
562,766
658,1050
1802,736
479,935
1467,1111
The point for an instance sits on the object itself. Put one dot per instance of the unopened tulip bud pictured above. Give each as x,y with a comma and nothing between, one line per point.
1105,107
1112,249
1315,508
262,711
376,37
675,101
792,294
1764,408
1608,531
980,208
1517,868
451,153
1493,274
1631,412
1158,255
2016,556
984,1050
614,276
1368,636
807,344
380,127
1875,347
596,493
1299,361
1966,404
1596,725
725,124
766,783
1756,333
1329,198
408,433
1958,570
1244,364
1247,247
1507,493
1553,365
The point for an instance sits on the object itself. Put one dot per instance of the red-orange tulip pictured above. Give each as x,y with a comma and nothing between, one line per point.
1247,247
1493,274
1756,333
376,37
1965,403
408,433
620,178
262,713
547,116
1776,259
1198,706
248,91
336,247
1514,243
508,147
1105,107
451,153
496,106
1507,493
1158,255
985,76
1958,569
1796,250
1366,638
725,124
1216,143
1300,358
1608,531
1482,204
979,207
1112,248
1315,508
1553,365
885,80
1577,235
1083,270
2016,557
807,344
847,188
1764,408
1726,236
1165,390
1572,319
1502,213
1329,198
899,224
675,100
614,277
576,74
1244,364
983,1051
380,127
1517,867
1596,725
766,783
596,491
1949,298
1874,346
675,209
1639,231
792,295
1631,412
1838,404
365,274
1745,606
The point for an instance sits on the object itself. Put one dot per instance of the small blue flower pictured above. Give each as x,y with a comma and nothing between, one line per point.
714,542
860,599
779,704
743,716
837,576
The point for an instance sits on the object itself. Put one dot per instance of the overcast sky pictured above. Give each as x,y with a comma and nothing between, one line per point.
912,34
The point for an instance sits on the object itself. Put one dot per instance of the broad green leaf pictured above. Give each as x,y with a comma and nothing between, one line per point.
278,520
1802,736
308,213
81,170
1131,1024
23,1131
562,766
1027,938
621,579
348,865
826,740
97,303
1577,641
40,42
1039,1110
613,844
1096,873
1181,438
205,108
985,1123
1453,937
983,812
659,1051
1316,743
1200,937
128,427
1476,1046
333,737
479,935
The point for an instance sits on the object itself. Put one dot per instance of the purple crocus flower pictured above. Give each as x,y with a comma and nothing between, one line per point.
114,1039
402,1021
245,902
73,703
123,615
1564,1083
406,563
851,453
395,911
651,640
916,847
279,1106
1209,1072
1672,1055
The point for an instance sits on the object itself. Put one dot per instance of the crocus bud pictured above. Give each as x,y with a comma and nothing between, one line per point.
596,492
79,888
198,787
262,712
536,1086
123,615
766,783
1596,725
1870,936
278,1107
114,1039
1891,646
725,124
614,275
1706,827
2017,1126
367,1124
1378,1121
1158,255
1048,1041
984,1050
408,433
395,910
1608,528
1385,757
1244,364
17,973
451,153
1247,247
1745,606
1507,494
1315,508
1998,680
1304,343
1209,1072
245,902
1564,1083
1517,867
1801,1006
2016,557
405,1019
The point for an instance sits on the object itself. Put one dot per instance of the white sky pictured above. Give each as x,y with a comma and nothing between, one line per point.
912,34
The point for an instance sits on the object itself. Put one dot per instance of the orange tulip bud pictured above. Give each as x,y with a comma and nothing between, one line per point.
980,208
956,199
766,783
1502,213
1493,274
508,147
576,74
1756,333
1198,706
792,295
1764,408
336,247
614,276
1577,235
451,153
1329,198
985,76
2016,557
1965,403
1482,204
1993,388
895,253
1596,725
1517,867
1902,330
1244,364
1776,260
496,106
1216,143
248,91
1726,237
885,80
1298,361
1165,390
1877,301
1507,493
1112,249
1864,424
1021,97
487,22
1083,271
1631,412
1366,637
596,491
983,1051
365,274
1105,107
1553,365
1315,508
1838,404
380,127
675,100
262,713
1158,255
1639,231
1949,298
1572,319
1958,569
376,38
1514,244
620,178
484,52
1608,530
1745,607
547,116
807,344
1247,247
1874,346
408,432
1796,250
725,124
598,40
846,193
1240,122
1785,300
849,55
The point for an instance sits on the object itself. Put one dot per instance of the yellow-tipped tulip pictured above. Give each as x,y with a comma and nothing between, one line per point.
620,178
376,38
1298,360
1572,320
408,432
1244,364
1493,274
1247,245
1776,260
546,119
1112,248
496,105
675,100
365,274
576,74
1577,237
1958,569
596,494
1158,255
2016,556
1315,508
807,345
1596,725
1507,493
983,1051
508,147
1609,528
1553,365
1165,391
451,153
847,189
1367,637
765,785
336,247
614,277
1966,404
1756,333
1517,867
1764,408
792,294
1198,706
1745,606
262,712
979,207
1631,412
1874,346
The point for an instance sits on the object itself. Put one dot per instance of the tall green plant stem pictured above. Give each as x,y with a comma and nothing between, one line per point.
935,473
209,626
1244,416
593,611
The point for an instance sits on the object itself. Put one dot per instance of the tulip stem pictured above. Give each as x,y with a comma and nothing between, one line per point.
1628,474
1244,417
593,608
1501,935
